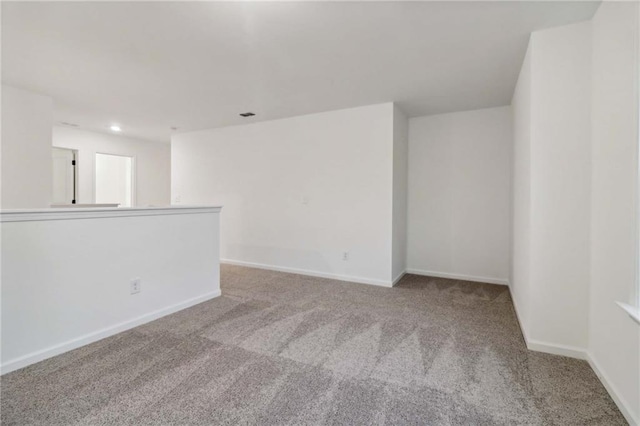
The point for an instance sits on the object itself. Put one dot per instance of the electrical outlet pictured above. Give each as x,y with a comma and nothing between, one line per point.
136,285
345,255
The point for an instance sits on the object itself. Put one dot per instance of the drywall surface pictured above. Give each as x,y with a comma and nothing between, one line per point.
552,189
560,190
298,193
459,194
152,163
614,339
575,210
26,149
66,276
400,192
519,279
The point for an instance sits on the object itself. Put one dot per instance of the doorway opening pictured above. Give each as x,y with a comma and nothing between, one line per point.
64,176
114,180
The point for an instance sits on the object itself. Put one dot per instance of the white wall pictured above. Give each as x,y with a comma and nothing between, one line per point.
575,213
459,194
519,278
298,192
26,149
400,192
614,339
552,189
152,166
59,293
560,190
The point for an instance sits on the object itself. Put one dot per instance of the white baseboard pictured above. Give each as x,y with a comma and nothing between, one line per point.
463,277
622,404
69,345
579,353
398,278
555,349
546,347
310,273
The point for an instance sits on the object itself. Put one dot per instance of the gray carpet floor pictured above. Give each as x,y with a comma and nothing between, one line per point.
289,349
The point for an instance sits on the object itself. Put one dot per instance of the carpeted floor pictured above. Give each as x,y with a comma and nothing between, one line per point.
288,349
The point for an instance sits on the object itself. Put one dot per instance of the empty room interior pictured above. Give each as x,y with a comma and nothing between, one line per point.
320,213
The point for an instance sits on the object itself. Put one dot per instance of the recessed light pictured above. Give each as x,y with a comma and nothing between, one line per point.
247,114
115,128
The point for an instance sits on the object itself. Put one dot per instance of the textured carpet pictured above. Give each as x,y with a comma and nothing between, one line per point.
288,349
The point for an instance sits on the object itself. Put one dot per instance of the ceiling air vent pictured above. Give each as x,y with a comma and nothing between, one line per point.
247,114
66,123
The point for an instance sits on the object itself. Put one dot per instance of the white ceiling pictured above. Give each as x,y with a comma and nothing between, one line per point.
152,65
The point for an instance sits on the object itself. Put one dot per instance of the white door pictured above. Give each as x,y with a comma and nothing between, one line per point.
64,176
114,179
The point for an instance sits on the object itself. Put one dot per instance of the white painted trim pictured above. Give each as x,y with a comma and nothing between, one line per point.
573,352
99,212
398,278
34,357
632,311
518,318
578,353
463,277
82,206
636,115
76,186
310,273
556,349
134,175
546,347
622,404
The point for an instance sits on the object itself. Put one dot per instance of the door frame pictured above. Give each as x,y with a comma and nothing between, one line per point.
76,175
134,178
